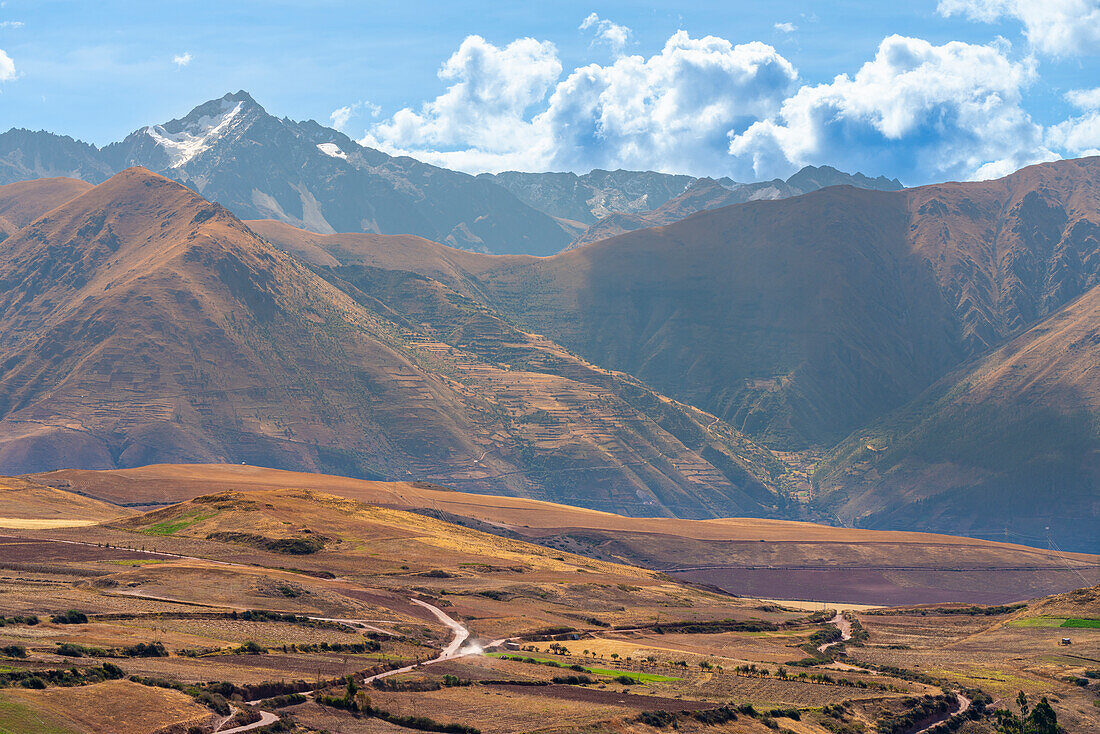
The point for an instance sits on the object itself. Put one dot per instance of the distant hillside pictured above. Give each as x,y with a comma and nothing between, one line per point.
736,553
259,166
803,321
591,196
26,155
706,193
1010,443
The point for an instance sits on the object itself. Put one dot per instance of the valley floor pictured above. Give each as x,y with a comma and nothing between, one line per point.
296,610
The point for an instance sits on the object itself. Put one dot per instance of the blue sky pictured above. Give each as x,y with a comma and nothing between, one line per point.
951,88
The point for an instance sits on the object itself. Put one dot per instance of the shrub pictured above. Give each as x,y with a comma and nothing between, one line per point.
70,617
278,702
145,650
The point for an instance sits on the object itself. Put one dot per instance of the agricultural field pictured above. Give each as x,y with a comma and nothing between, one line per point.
307,611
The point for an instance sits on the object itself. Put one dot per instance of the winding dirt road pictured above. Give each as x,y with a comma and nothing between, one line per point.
266,717
451,651
845,627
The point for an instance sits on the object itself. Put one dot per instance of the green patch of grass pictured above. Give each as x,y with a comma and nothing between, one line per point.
17,718
173,526
1081,623
1038,622
640,677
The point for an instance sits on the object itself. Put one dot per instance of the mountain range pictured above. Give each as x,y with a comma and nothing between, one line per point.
141,323
919,358
234,153
811,324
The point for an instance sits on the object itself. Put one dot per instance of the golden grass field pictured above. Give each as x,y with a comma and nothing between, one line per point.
189,575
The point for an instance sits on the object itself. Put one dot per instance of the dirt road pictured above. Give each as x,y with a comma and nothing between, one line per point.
453,649
845,627
266,718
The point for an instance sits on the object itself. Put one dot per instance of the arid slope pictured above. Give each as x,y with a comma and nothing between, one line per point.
141,323
745,556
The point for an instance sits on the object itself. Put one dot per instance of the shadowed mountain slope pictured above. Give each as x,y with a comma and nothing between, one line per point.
141,323
26,154
729,310
1008,447
707,193
802,321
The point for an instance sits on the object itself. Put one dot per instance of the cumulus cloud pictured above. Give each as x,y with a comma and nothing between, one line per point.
481,121
918,111
786,27
1085,99
1079,136
13,24
672,111
705,106
342,116
182,60
7,67
614,35
1057,27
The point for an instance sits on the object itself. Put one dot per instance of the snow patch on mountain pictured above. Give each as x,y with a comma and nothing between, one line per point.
196,137
332,150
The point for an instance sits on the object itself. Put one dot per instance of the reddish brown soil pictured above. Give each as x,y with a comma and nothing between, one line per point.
891,586
23,549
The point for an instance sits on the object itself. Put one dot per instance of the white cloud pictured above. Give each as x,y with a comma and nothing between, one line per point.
705,106
342,116
1085,99
1057,27
614,35
7,67
182,60
13,24
786,27
672,111
1079,136
917,111
481,120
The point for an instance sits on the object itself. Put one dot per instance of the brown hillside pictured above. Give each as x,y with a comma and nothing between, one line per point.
803,321
21,203
746,556
799,319
140,323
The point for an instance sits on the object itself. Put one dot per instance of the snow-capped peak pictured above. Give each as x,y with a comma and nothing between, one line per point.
196,136
332,150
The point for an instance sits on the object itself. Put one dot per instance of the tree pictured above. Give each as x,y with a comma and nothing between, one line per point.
1021,701
1043,720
